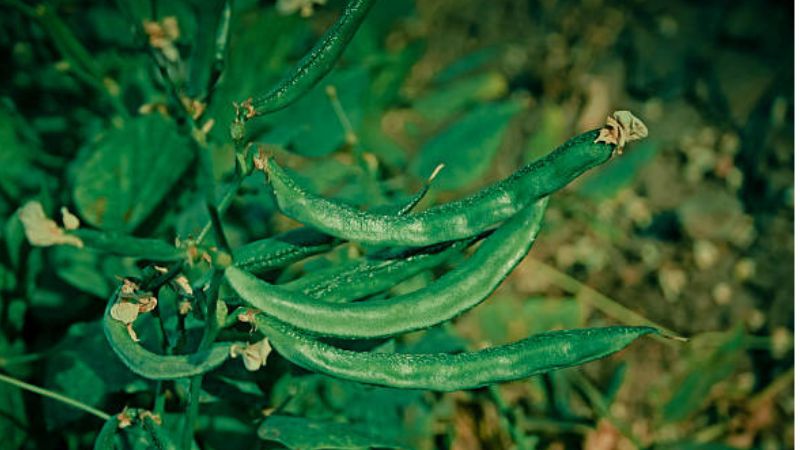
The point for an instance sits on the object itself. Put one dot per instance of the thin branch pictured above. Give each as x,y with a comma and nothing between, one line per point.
55,396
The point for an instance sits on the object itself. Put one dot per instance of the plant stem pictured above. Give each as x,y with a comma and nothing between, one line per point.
508,418
22,359
223,205
220,47
55,396
191,412
209,335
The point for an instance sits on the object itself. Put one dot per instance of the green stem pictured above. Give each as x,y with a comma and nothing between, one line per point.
23,359
192,410
351,138
161,399
54,395
507,417
223,205
220,47
209,335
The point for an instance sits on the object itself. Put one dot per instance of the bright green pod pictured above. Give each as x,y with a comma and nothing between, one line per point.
455,292
125,245
154,366
535,355
159,439
450,221
315,65
283,249
375,273
105,438
286,248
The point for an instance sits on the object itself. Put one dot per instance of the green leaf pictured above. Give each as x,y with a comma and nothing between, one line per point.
707,370
18,175
88,271
467,64
83,368
124,245
620,172
129,171
466,147
450,99
80,269
551,131
300,433
310,126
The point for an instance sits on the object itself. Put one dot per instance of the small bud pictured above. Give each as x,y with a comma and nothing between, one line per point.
237,131
124,419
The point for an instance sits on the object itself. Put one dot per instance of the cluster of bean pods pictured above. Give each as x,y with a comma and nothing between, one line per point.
345,301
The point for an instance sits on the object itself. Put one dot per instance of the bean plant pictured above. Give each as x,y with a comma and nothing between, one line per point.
212,303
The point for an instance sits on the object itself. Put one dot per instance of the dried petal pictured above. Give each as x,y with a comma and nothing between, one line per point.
621,128
125,312
147,303
42,231
145,414
254,355
128,288
70,221
132,332
124,419
183,284
185,307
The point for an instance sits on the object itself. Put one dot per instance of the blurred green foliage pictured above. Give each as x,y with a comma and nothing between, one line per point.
88,121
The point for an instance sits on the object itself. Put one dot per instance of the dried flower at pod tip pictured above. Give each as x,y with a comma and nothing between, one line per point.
622,127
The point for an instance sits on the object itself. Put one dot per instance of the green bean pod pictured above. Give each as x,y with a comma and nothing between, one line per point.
455,292
450,221
125,245
159,439
535,355
154,366
358,279
105,438
315,65
283,249
286,248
